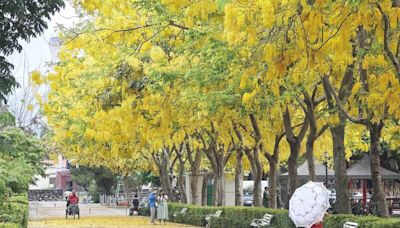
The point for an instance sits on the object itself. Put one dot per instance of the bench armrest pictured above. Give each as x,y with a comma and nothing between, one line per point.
256,222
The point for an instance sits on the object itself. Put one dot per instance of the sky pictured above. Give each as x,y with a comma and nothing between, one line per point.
34,56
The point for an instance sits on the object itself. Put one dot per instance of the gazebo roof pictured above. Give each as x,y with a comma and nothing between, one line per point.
362,170
302,171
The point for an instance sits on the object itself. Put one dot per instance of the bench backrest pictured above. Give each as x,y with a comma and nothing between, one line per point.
350,225
267,218
218,213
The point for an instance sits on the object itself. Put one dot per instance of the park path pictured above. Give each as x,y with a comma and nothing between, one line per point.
52,214
52,209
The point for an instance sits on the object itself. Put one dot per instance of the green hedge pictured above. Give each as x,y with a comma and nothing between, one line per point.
235,217
14,212
238,217
241,217
364,221
194,216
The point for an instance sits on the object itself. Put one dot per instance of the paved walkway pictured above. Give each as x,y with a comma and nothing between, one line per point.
52,214
43,210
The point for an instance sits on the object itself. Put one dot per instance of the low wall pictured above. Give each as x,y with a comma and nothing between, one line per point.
46,195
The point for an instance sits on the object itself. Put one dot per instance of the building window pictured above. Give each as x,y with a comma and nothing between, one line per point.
52,180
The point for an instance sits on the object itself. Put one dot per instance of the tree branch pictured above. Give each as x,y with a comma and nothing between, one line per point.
287,122
302,105
172,23
386,34
331,90
303,130
319,100
322,130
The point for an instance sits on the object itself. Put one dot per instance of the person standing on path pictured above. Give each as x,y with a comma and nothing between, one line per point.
266,197
135,206
162,210
152,204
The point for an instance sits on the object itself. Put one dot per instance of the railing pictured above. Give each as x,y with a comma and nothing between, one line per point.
108,200
112,200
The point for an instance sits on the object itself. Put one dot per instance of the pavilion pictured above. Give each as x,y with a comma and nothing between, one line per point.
361,172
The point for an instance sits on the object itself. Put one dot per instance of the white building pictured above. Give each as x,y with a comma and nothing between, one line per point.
51,170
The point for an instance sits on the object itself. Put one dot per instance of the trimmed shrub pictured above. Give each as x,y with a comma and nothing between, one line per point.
235,217
364,221
194,216
338,220
241,217
386,223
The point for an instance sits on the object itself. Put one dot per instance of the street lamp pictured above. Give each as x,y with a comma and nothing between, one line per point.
326,156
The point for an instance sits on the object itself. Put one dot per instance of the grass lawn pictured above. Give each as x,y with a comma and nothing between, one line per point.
101,222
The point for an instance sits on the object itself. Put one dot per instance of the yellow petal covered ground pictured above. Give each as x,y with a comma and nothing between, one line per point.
100,222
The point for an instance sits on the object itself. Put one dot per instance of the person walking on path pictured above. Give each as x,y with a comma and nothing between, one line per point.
266,197
152,204
135,206
162,210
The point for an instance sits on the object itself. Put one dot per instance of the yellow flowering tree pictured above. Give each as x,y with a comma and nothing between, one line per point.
179,85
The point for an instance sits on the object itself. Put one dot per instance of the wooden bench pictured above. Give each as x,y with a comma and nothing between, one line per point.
350,225
265,221
183,211
210,216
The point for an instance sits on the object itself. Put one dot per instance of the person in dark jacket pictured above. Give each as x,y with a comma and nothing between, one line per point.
266,197
135,205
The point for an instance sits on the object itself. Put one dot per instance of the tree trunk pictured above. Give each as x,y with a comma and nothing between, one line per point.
278,189
343,205
312,136
194,187
163,168
239,178
294,143
218,155
215,196
379,192
221,189
204,190
310,158
181,180
272,183
165,181
257,185
292,166
195,166
273,173
219,181
257,162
